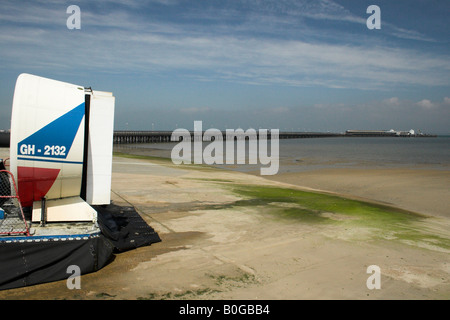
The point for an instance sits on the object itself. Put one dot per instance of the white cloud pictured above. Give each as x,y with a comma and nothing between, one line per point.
407,34
426,104
394,101
115,42
329,10
260,61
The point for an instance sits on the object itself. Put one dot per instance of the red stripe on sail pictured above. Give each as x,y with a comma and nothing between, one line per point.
34,183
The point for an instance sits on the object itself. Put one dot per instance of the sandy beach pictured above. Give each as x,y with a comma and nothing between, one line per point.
222,237
420,190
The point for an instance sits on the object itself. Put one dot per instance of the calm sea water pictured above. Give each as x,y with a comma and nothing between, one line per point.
342,152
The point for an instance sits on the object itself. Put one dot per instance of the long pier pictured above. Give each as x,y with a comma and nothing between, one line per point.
165,136
122,137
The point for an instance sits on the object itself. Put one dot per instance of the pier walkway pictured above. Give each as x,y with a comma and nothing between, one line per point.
121,137
165,136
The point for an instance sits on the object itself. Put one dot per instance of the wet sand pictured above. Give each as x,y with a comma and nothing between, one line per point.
212,249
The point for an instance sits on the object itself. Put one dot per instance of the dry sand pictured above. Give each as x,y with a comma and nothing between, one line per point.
242,253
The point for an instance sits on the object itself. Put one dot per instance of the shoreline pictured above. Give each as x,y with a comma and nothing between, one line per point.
422,189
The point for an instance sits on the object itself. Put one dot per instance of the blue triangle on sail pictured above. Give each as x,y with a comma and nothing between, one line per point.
56,138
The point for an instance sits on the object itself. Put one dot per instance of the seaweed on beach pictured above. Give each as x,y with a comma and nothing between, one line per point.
385,222
307,202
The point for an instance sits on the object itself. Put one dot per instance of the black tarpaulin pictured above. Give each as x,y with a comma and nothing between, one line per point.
30,262
125,228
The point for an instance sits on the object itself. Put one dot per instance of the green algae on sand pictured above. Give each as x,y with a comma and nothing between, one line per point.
385,222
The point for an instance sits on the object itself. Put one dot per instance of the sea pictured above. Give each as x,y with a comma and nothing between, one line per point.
306,154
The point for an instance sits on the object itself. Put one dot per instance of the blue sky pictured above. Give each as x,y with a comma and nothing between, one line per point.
289,65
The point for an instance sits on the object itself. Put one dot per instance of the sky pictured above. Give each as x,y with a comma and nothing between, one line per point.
292,65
